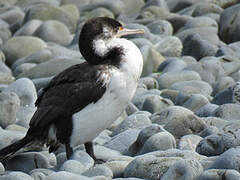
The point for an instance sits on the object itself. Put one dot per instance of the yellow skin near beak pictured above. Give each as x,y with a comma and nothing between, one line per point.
124,31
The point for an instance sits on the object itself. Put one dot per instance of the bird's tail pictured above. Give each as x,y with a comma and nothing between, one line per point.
10,150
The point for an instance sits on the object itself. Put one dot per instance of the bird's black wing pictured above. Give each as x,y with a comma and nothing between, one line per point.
68,93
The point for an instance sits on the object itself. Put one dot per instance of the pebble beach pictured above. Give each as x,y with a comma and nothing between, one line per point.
183,122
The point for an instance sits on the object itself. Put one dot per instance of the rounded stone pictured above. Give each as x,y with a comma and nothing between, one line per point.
155,103
134,121
227,111
63,175
23,68
160,27
186,169
166,79
150,82
54,31
227,174
83,158
25,90
16,175
29,28
160,141
195,102
172,64
49,68
73,166
40,173
228,160
18,47
99,170
170,46
9,105
189,142
229,24
193,87
26,162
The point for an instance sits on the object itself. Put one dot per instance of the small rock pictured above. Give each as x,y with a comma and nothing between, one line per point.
106,154
12,15
186,169
189,142
217,122
29,28
160,141
150,82
2,169
122,141
205,8
40,173
54,31
73,166
166,79
193,87
227,174
223,97
28,46
169,114
26,162
63,175
195,102
25,90
117,167
9,105
6,78
83,158
170,46
41,82
22,68
35,58
134,121
180,126
149,166
155,103
209,131
223,84
46,12
206,110
170,94
195,46
49,68
172,64
227,111
99,170
15,175
162,27
229,26
99,12
228,160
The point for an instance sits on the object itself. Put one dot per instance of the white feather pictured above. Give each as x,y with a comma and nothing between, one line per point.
122,83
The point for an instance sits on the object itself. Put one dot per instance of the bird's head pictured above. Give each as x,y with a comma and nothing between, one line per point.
96,33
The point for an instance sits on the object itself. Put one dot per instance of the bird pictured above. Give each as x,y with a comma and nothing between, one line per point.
85,99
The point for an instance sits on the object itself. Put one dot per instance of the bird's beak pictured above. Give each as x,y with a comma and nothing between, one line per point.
124,31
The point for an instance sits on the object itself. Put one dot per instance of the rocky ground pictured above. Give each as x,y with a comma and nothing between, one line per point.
184,120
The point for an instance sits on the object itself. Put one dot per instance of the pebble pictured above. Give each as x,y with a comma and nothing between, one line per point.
73,166
122,141
15,175
29,28
229,24
9,105
40,173
46,12
195,102
161,27
166,79
63,175
28,46
134,121
117,167
189,142
83,158
28,161
228,160
172,64
49,68
170,46
186,169
193,87
54,31
227,111
99,170
155,103
227,174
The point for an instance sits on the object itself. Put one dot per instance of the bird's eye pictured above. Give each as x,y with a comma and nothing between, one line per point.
120,28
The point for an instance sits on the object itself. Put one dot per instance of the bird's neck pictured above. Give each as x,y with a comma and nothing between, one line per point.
99,51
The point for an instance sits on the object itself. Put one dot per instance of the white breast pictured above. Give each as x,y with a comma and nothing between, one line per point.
96,117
